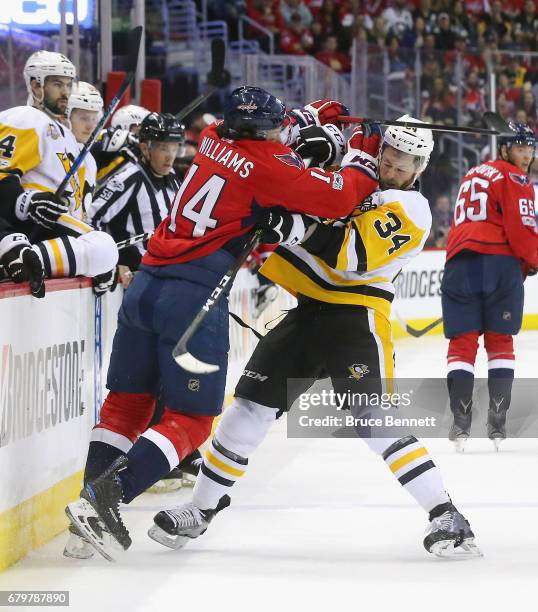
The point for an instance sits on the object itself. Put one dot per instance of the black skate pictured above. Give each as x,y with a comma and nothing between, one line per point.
461,427
449,534
175,527
184,475
76,546
496,424
96,514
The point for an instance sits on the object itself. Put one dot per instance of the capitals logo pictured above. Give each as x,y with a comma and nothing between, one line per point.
519,179
291,159
358,370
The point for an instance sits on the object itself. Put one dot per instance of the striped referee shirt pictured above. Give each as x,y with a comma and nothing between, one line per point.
132,202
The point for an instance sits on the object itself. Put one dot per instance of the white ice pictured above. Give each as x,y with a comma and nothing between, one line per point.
321,525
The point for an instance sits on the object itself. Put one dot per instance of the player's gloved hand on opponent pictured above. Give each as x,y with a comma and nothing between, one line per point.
22,263
324,145
117,140
363,149
282,226
41,207
105,282
319,112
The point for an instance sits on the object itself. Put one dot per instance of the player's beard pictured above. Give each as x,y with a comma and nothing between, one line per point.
55,108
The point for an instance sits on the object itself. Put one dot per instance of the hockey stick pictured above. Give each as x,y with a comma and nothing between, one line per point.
216,78
181,353
135,37
413,331
123,244
496,125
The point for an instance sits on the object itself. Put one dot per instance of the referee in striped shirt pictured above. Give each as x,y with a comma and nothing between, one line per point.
139,197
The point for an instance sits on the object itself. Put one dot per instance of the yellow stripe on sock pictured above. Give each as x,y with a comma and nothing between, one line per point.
223,466
405,459
57,256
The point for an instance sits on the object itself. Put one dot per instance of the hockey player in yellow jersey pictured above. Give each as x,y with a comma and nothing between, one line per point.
342,274
37,149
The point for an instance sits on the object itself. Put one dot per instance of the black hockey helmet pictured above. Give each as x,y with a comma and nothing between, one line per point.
249,112
161,127
520,134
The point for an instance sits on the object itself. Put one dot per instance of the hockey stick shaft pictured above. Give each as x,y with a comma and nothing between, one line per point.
413,331
124,244
216,75
135,37
226,281
438,127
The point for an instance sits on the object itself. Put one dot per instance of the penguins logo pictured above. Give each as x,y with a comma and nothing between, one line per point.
358,370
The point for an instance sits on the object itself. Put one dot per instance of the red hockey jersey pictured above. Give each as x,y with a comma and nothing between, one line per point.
229,177
494,213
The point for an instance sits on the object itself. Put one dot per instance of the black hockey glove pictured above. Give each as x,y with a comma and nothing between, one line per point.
41,207
325,145
22,264
105,282
282,226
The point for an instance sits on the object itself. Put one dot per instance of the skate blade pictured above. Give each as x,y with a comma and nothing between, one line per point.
78,513
175,542
445,549
77,547
166,486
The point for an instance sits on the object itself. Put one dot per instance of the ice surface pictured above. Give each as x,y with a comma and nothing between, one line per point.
322,525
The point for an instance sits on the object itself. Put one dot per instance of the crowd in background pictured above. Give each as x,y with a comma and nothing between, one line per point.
479,31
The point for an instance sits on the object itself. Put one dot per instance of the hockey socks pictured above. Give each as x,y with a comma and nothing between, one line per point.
412,465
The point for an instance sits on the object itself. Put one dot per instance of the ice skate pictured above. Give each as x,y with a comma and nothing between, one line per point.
184,475
262,297
449,535
173,481
96,514
461,428
77,547
497,426
190,466
175,527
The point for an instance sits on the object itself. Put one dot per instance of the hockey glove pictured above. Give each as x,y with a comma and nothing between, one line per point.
21,263
322,112
105,282
282,226
323,145
363,149
41,207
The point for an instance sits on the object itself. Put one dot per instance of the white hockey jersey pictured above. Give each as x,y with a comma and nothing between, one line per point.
40,151
355,261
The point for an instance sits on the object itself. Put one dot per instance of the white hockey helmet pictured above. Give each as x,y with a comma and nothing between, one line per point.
414,141
128,115
85,96
42,64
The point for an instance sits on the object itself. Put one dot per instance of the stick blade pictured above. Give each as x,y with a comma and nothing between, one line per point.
495,122
135,39
188,362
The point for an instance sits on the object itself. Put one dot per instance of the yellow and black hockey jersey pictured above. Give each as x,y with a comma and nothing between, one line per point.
39,151
355,261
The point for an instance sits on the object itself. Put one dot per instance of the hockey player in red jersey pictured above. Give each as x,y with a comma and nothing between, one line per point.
241,168
492,247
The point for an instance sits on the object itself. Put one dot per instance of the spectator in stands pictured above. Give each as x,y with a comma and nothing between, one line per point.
495,21
441,104
511,93
521,116
266,13
474,103
431,69
461,23
296,39
289,8
378,34
397,61
468,60
527,22
374,7
441,219
328,18
528,104
503,108
398,18
444,35
339,62
426,12
414,39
